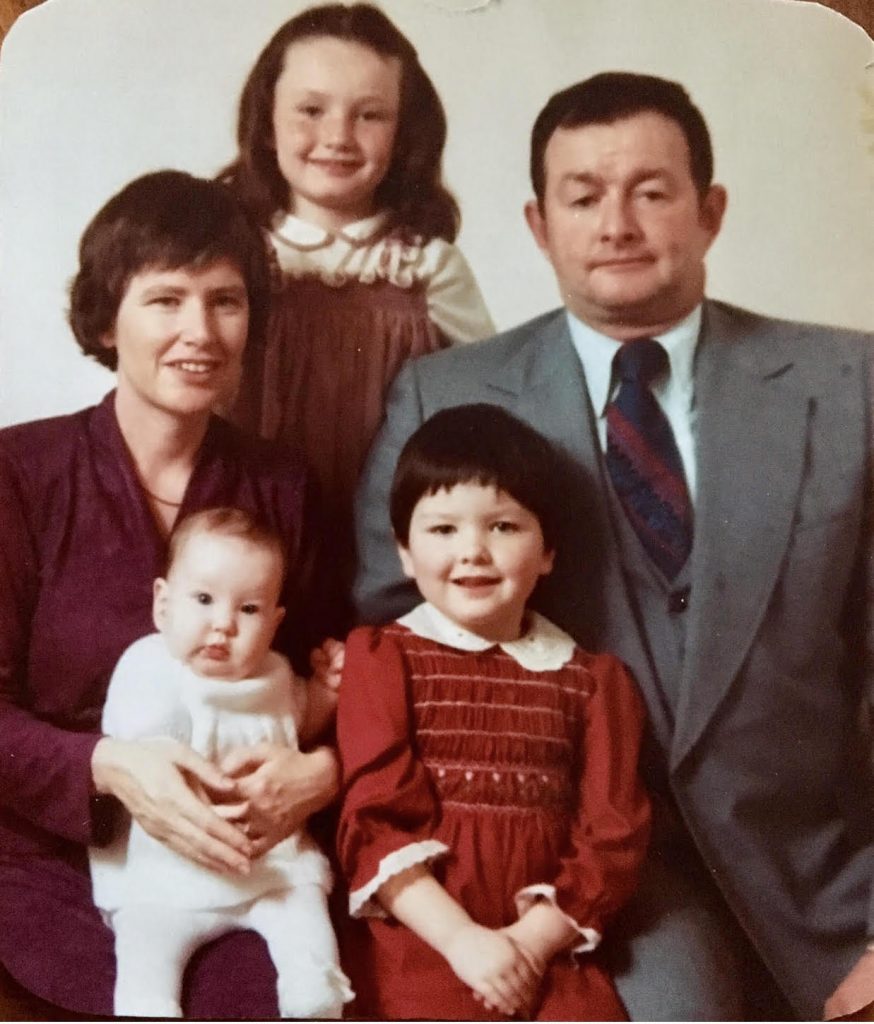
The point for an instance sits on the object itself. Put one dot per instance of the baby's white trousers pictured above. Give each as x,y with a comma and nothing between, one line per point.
154,943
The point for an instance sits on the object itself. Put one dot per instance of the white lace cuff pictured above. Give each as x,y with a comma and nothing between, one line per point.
531,894
362,902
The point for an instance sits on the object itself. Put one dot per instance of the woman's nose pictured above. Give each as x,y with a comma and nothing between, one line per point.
196,322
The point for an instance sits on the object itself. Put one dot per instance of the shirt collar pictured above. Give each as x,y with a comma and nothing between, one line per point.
542,648
303,235
596,352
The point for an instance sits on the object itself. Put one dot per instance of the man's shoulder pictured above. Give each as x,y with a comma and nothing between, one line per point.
725,321
490,352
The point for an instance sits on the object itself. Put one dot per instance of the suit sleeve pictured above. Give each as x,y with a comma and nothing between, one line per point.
389,810
609,835
45,771
382,592
863,598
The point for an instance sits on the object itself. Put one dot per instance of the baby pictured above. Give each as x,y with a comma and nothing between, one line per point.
209,679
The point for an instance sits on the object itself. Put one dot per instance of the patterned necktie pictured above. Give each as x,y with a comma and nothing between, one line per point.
643,460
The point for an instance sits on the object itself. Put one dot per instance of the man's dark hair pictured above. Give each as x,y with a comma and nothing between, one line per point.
614,96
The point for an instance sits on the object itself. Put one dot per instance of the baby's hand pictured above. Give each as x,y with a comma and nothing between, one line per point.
494,967
327,663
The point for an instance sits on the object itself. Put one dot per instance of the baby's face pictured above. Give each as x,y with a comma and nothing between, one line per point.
217,609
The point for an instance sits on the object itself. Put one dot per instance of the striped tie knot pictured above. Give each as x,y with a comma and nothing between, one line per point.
640,361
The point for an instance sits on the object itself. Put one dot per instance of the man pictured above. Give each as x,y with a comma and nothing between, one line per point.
718,538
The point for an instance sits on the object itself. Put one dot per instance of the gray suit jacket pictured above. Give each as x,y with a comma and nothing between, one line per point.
765,755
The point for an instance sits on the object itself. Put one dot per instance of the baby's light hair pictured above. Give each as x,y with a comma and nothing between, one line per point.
226,522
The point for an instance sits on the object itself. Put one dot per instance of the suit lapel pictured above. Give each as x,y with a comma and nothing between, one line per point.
545,385
751,437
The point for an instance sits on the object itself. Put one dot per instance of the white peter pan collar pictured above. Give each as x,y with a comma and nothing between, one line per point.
543,648
301,234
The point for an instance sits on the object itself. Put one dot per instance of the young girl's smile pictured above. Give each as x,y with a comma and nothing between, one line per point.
335,115
476,554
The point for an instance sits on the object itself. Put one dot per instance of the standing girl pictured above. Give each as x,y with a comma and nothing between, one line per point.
340,136
492,819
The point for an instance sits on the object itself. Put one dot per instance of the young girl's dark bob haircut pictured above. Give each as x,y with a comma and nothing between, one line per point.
413,188
482,444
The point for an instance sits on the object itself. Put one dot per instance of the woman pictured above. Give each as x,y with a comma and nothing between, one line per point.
172,283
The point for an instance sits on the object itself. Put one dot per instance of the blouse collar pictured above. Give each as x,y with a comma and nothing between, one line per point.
301,234
542,648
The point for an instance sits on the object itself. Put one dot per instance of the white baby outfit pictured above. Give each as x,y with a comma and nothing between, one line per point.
163,906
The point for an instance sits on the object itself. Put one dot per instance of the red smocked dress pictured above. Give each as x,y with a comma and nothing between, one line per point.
512,770
349,309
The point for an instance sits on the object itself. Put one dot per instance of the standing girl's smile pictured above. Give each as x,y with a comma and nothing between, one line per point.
335,116
476,555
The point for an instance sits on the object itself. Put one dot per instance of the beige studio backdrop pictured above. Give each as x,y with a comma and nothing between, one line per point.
95,92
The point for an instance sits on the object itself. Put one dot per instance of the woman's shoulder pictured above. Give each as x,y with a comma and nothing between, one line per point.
44,447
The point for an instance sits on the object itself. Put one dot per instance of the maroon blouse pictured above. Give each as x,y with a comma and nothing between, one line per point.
79,551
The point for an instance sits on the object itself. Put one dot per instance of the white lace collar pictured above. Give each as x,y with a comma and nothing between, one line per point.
543,648
301,234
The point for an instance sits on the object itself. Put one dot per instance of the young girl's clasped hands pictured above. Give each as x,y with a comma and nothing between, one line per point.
492,817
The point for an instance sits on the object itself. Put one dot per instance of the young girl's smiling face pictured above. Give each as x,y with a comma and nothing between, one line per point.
476,554
335,116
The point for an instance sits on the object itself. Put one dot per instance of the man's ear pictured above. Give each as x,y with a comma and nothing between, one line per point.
159,603
406,560
537,225
713,207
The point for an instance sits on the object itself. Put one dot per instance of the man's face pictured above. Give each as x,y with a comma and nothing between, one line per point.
623,224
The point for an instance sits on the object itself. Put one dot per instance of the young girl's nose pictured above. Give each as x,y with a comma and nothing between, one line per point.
474,547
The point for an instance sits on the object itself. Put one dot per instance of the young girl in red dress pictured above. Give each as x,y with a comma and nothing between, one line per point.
341,135
492,816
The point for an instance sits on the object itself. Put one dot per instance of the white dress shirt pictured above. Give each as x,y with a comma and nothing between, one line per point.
674,391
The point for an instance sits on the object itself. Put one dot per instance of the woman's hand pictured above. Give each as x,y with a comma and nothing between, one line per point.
499,973
281,789
327,663
161,783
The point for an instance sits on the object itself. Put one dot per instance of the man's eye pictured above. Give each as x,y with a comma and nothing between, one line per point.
202,597
169,301
584,201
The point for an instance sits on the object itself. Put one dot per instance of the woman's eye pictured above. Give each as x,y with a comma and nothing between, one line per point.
441,529
373,115
169,301
506,526
309,109
202,597
249,608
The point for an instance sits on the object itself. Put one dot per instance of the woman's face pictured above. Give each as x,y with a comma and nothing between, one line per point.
180,335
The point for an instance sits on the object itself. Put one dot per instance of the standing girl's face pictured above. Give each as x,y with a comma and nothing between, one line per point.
335,116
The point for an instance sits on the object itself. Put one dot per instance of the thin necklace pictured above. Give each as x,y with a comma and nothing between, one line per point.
163,501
